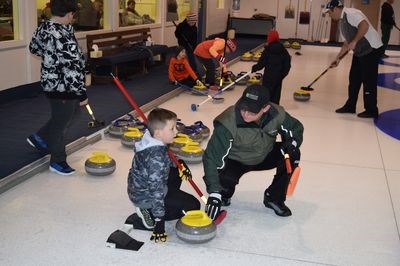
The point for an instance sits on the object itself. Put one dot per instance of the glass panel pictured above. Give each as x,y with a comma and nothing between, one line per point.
8,19
177,9
138,12
90,15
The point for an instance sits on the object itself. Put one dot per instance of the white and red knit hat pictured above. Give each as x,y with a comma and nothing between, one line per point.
191,18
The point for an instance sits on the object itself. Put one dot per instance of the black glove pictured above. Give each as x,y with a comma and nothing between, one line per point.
184,173
159,231
290,147
253,69
213,206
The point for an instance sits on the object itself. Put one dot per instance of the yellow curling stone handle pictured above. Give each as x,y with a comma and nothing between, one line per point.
133,132
196,218
100,157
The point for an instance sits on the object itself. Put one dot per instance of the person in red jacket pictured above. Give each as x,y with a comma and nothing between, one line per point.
209,50
179,70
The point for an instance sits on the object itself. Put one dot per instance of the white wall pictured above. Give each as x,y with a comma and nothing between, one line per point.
19,67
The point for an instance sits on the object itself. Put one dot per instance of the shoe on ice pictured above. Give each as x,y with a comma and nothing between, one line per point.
225,201
146,217
37,142
279,208
136,222
61,168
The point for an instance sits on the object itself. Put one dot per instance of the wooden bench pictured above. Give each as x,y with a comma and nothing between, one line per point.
121,47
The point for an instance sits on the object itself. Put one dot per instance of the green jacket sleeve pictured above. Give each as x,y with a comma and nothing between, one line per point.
291,124
217,150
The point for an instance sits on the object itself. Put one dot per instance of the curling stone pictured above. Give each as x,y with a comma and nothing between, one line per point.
286,44
119,126
246,56
193,133
196,227
100,164
191,153
256,79
130,137
199,90
204,130
295,45
243,81
256,56
181,140
180,126
226,81
301,96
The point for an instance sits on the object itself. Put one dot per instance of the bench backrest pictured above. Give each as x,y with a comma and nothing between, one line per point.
114,42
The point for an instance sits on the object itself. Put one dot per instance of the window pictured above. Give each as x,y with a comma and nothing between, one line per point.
8,20
90,15
177,9
138,12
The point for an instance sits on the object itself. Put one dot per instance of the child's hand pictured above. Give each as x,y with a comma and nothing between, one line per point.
159,234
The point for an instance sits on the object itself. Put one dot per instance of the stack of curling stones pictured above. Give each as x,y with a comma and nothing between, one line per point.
196,227
131,136
100,164
302,96
187,149
255,79
229,78
244,80
247,56
120,126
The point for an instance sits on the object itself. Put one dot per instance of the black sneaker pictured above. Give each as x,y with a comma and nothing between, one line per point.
345,109
146,217
37,142
225,201
367,114
279,208
61,168
136,222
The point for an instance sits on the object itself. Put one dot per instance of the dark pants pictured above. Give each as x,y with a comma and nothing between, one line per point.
386,29
53,132
364,71
209,64
188,82
191,58
274,91
177,200
233,171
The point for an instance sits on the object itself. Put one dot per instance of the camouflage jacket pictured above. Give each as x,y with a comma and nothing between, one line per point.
148,176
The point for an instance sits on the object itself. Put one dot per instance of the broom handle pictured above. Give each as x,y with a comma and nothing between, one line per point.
142,115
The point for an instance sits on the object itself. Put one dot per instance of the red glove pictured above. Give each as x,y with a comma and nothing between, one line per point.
222,59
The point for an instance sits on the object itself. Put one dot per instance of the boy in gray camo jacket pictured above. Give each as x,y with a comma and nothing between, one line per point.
153,181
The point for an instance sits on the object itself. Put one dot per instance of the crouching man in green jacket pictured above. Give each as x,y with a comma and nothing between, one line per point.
245,139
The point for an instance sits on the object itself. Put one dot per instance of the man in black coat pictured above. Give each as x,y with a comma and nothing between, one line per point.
186,34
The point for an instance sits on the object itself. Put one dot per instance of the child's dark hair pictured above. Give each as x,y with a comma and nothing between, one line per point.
158,118
62,7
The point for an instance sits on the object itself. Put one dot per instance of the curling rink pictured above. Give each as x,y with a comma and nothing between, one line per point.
346,208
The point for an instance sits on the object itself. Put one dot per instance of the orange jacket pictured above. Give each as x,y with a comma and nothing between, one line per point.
210,48
180,69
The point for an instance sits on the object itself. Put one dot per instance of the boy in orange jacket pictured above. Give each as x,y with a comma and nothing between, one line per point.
179,70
